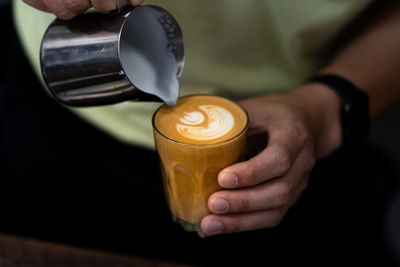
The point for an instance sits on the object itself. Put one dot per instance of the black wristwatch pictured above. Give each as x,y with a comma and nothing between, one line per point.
355,116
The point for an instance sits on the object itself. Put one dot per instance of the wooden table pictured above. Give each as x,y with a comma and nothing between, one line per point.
25,252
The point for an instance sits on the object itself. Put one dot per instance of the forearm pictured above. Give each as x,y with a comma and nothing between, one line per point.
372,59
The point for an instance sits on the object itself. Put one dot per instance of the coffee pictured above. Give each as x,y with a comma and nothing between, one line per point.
201,119
195,140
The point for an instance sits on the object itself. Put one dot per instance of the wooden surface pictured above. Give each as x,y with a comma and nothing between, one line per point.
17,251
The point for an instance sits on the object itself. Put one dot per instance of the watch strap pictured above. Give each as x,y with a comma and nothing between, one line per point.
355,118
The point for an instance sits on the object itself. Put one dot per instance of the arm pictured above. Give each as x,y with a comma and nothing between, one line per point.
372,59
67,9
303,126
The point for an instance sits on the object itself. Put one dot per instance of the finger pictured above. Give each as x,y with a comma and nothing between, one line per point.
58,8
271,195
218,224
284,144
104,5
37,4
136,2
77,6
67,9
272,162
122,3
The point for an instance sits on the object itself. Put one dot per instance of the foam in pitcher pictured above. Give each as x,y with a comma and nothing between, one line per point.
146,58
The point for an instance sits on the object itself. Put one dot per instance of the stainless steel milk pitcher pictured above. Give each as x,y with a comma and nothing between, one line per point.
82,58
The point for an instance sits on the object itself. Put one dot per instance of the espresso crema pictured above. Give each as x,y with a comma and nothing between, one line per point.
201,119
196,139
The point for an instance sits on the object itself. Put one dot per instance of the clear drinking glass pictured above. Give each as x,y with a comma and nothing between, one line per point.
190,172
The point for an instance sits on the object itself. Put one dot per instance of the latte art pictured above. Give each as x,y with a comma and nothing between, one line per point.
193,118
201,119
196,139
219,122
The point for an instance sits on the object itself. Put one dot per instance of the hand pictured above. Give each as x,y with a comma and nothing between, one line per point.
297,128
67,9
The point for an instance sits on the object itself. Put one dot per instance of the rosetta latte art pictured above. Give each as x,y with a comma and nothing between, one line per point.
220,122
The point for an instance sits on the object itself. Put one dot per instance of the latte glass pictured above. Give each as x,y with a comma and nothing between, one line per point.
190,170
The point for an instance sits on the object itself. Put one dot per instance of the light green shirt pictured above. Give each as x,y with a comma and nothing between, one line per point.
234,48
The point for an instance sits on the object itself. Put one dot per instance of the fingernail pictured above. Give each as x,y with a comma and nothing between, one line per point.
213,227
219,205
229,180
201,235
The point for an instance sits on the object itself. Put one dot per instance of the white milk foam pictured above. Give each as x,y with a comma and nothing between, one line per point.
165,86
147,61
220,122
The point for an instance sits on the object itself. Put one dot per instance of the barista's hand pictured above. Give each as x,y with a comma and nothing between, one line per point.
296,129
67,9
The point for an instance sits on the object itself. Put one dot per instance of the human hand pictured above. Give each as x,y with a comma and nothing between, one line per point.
67,9
297,128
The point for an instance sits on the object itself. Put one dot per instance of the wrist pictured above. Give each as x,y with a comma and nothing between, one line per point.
322,106
355,118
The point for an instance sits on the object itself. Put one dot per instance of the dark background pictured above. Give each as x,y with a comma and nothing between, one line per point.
63,180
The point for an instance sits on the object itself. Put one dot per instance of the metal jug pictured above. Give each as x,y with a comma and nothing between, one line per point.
82,59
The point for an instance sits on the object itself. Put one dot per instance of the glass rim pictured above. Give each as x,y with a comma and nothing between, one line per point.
208,144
